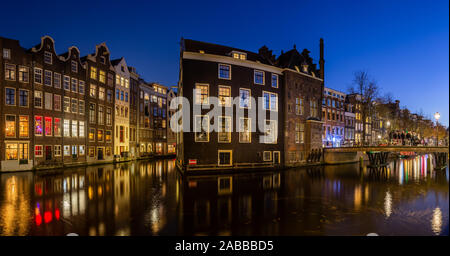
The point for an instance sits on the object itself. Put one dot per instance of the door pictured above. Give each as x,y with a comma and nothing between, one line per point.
100,153
276,157
48,152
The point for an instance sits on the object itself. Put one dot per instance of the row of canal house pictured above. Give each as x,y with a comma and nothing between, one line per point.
291,87
67,109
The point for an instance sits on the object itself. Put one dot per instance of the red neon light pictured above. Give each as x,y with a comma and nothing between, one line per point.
38,220
48,216
57,214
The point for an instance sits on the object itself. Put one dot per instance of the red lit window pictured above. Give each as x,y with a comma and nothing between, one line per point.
48,126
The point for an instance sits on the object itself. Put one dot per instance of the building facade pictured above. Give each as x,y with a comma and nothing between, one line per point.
122,108
134,95
171,134
333,112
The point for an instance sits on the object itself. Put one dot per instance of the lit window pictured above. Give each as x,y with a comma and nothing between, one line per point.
66,128
74,128
6,53
102,76
81,129
81,107
24,73
57,150
10,130
299,132
10,72
201,94
74,104
48,126
24,126
245,130
101,115
57,126
101,93
93,73
224,71
66,105
224,95
38,150
91,134
92,113
57,102
93,91
299,106
11,151
100,135
66,150
38,126
48,102
82,150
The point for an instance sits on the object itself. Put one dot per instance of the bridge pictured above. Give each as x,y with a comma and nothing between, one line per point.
378,155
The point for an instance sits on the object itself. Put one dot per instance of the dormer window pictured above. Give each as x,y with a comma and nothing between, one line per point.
48,57
201,51
239,55
6,53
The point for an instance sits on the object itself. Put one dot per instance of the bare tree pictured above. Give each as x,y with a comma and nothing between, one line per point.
368,89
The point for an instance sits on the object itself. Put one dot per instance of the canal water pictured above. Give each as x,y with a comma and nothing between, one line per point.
152,198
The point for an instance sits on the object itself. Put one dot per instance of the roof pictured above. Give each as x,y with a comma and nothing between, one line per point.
210,48
293,58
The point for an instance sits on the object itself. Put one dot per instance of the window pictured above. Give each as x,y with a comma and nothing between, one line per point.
201,94
81,87
7,53
10,94
24,73
121,134
108,136
37,99
224,71
74,150
81,107
93,73
38,128
108,116
10,126
38,152
10,72
239,55
259,77
57,127
66,105
48,77
11,151
57,150
48,102
101,93
117,94
38,75
48,57
225,157
126,96
24,126
91,134
81,129
313,106
271,132
267,156
57,80
92,113
82,150
121,96
245,130
117,80
93,91
270,101
274,81
66,128
201,128
91,151
74,66
100,135
101,115
66,83
48,126
57,102
74,128
109,96
74,85
74,107
299,106
299,132
224,134
66,150
224,95
102,76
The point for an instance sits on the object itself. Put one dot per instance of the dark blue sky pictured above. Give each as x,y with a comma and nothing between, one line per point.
404,45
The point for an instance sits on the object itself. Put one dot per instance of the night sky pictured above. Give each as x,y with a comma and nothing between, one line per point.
404,45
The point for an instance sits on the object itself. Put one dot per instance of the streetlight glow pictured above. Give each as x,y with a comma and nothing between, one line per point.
437,116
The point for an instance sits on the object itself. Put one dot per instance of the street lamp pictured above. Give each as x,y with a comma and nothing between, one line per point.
437,116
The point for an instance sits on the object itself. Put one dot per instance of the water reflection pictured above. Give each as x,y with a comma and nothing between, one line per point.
151,198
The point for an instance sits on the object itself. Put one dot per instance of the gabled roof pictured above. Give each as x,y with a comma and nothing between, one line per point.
293,59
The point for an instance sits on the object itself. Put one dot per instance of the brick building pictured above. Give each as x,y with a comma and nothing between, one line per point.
333,112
